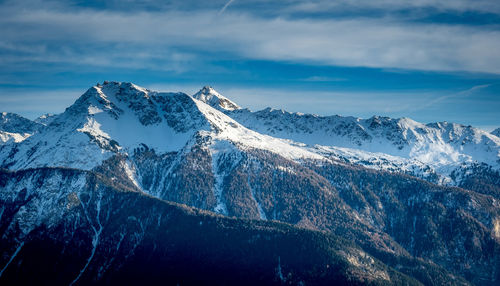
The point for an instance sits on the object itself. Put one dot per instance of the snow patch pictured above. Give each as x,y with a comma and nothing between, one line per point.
262,214
131,174
97,233
94,110
496,228
8,137
220,150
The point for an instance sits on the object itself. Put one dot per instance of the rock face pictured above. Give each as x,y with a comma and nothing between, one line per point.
428,207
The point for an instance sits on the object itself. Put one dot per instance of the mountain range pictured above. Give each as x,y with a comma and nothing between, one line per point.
129,183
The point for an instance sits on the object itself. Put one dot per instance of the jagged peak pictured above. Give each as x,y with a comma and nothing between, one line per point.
119,99
118,85
406,122
114,97
213,98
123,89
208,89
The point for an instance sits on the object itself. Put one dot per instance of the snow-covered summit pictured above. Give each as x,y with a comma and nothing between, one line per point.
110,118
116,117
211,97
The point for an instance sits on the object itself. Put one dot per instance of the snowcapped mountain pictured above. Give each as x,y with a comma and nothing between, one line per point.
119,117
206,152
381,142
15,128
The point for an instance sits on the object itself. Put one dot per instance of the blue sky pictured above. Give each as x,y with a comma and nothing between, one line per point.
423,59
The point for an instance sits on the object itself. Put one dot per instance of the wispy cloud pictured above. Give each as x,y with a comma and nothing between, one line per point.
355,42
440,99
323,79
225,6
485,6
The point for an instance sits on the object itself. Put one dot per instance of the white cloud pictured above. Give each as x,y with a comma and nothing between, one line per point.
484,6
323,79
160,38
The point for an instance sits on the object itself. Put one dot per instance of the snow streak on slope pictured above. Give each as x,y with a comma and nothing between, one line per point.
219,151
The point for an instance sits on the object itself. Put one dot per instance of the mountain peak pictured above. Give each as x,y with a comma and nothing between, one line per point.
211,97
208,89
